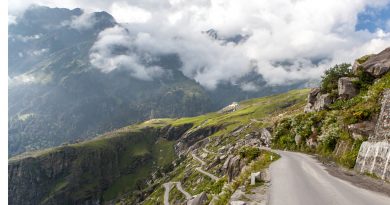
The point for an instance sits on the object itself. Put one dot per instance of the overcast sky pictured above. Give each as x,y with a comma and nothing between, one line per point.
289,40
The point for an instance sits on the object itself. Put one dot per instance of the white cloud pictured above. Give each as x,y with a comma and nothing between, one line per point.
126,13
39,52
113,50
250,86
24,39
290,40
82,22
11,19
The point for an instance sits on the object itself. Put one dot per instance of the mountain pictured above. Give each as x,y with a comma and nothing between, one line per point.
56,95
214,158
118,163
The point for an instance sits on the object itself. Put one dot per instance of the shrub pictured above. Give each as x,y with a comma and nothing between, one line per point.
365,80
349,158
363,59
329,139
331,76
250,153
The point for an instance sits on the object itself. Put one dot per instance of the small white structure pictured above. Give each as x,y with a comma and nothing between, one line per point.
254,176
230,108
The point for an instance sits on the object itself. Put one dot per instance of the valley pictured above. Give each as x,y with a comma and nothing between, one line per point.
100,113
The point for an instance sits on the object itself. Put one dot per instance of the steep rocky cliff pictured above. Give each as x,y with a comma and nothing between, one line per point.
374,154
93,171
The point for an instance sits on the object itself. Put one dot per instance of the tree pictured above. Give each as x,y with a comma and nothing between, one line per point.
332,75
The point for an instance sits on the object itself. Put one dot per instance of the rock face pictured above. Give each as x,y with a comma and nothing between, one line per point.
174,132
266,136
317,101
362,130
233,166
200,199
78,174
377,65
374,154
191,137
346,87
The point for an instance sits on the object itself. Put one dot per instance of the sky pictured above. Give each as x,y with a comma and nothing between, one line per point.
287,40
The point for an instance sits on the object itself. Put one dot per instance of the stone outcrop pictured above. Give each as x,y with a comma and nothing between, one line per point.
232,166
374,154
347,88
317,101
174,132
377,65
266,136
191,137
200,199
362,130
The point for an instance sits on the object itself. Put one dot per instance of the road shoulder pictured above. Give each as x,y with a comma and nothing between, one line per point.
357,179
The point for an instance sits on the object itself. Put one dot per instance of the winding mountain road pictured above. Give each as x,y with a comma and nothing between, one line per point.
199,169
168,186
203,163
213,177
299,179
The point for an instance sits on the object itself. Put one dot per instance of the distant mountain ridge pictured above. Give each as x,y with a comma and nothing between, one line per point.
57,96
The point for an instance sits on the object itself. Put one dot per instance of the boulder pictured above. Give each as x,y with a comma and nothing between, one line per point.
377,65
358,62
322,102
311,98
311,143
362,130
347,88
200,199
234,167
298,139
316,101
266,136
226,163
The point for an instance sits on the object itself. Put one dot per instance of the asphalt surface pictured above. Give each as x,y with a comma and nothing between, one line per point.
299,179
213,177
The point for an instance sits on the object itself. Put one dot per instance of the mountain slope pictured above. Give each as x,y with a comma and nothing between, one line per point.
116,164
56,95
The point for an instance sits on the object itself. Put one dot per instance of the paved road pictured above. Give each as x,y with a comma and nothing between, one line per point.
167,187
213,177
203,163
298,179
180,188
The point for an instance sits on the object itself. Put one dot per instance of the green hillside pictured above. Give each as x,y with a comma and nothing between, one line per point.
118,162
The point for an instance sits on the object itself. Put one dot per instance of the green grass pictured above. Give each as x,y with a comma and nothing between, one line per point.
127,183
140,142
164,152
